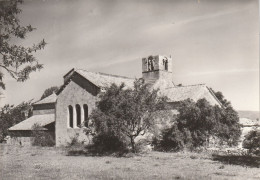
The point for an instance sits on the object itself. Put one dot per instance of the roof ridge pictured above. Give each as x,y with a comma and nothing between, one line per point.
203,84
213,94
36,102
112,75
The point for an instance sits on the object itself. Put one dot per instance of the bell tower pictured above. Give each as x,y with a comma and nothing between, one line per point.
157,67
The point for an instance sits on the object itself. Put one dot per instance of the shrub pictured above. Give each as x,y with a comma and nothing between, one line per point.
171,140
42,138
252,142
107,143
143,146
196,123
74,141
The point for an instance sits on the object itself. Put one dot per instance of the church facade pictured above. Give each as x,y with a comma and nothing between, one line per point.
71,106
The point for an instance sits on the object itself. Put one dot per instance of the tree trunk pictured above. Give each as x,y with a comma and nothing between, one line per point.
133,144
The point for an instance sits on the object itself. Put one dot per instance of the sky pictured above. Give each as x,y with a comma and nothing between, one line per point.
211,41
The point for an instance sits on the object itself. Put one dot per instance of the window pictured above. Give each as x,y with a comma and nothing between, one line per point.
85,107
71,116
78,112
165,63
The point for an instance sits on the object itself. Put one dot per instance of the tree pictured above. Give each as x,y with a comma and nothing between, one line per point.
221,98
230,118
18,61
197,122
49,91
11,115
127,113
227,127
252,141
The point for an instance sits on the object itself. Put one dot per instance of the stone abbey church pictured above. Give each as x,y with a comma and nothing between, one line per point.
65,114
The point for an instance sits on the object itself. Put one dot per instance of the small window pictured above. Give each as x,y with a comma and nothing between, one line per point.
71,116
165,63
85,107
78,111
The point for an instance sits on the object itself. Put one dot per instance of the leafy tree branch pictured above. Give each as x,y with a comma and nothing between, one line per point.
18,61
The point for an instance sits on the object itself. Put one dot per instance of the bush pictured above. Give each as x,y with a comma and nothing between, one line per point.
107,143
171,140
143,146
74,141
252,142
196,123
42,138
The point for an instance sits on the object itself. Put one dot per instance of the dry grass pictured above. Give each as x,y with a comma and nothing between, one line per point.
53,163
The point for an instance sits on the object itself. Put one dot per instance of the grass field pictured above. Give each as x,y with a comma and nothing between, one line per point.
53,163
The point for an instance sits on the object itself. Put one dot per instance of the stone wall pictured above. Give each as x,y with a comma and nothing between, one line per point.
25,137
71,95
161,64
45,111
47,108
158,63
159,72
151,77
22,141
43,106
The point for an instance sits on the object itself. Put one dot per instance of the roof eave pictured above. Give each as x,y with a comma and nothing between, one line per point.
212,93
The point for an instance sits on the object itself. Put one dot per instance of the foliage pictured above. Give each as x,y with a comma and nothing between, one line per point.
196,123
17,60
41,137
227,127
49,91
107,143
125,114
221,98
11,115
252,141
74,140
245,160
173,139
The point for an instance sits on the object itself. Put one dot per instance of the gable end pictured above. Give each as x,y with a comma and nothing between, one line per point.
82,82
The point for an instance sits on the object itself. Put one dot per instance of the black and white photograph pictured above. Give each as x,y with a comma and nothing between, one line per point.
129,89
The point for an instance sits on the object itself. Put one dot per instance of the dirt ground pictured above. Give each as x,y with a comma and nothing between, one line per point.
54,163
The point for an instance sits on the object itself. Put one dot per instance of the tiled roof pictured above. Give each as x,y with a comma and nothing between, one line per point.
50,99
105,80
166,86
163,84
194,92
27,124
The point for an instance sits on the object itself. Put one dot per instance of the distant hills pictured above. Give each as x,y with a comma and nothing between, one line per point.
249,114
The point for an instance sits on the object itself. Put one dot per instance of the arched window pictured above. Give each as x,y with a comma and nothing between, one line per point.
85,107
70,116
165,63
78,111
